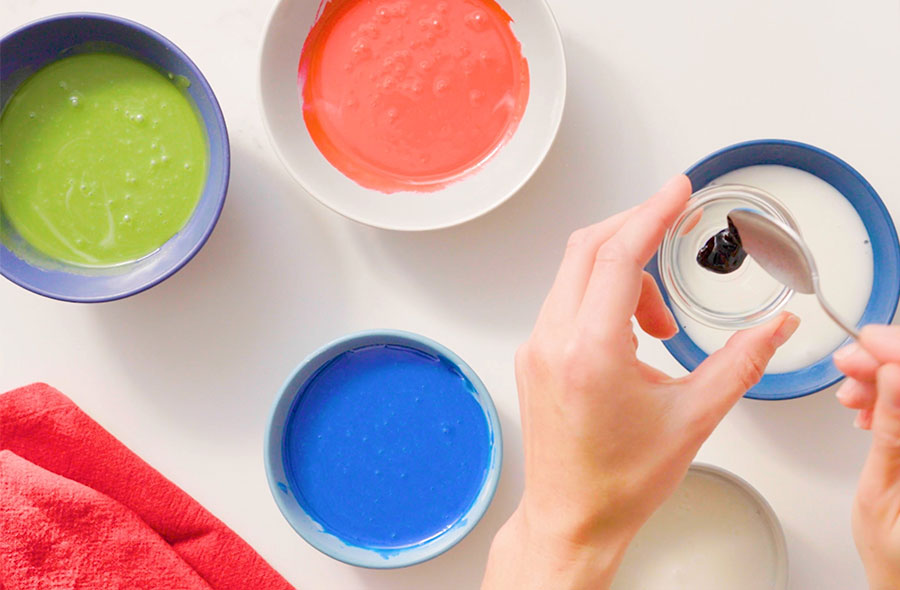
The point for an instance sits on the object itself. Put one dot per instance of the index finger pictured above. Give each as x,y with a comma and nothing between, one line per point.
614,288
574,272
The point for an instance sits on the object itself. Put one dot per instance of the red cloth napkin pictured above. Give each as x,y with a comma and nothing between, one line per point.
80,510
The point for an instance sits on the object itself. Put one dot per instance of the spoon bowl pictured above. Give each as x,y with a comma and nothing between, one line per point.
781,252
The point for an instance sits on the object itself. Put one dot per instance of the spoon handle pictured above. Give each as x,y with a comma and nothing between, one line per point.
834,316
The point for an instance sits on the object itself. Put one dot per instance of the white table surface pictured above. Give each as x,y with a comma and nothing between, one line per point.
184,373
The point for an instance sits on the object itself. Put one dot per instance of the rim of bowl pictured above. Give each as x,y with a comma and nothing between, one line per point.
781,552
545,149
225,158
288,393
822,373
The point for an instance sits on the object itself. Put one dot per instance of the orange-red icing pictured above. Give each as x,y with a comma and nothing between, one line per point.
411,94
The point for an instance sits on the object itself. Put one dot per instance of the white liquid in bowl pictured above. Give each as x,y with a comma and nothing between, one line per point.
840,244
710,535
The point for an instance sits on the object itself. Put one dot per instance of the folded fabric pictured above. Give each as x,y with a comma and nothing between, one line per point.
79,510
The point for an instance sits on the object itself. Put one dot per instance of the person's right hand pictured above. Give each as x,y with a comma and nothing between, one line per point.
873,388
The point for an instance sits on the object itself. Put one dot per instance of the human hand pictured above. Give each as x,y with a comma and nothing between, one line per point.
873,388
608,438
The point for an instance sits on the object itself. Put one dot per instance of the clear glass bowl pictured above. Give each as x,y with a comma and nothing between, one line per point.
743,298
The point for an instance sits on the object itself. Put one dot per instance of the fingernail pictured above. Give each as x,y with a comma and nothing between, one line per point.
673,322
673,180
786,330
673,183
857,423
841,394
846,352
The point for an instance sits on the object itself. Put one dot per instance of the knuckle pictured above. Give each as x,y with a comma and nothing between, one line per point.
575,373
868,499
576,238
518,358
531,358
570,357
751,370
614,253
524,358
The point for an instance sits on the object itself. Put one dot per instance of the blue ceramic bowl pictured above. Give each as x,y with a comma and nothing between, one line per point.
882,234
33,46
286,497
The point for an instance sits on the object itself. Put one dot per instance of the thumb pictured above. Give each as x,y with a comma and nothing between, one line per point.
884,457
720,381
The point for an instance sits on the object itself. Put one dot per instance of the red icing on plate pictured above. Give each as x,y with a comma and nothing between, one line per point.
412,94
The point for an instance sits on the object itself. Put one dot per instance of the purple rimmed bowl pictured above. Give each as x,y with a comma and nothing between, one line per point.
32,46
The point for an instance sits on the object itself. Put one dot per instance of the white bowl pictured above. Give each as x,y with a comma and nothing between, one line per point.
460,201
681,541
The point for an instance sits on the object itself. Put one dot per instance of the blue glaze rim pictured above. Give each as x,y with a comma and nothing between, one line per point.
311,531
883,300
94,285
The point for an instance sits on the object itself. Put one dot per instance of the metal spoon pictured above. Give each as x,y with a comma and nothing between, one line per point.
782,253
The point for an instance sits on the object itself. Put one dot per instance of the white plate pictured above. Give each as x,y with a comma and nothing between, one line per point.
475,194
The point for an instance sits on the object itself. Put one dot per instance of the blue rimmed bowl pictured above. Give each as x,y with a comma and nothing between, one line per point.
885,292
289,492
27,49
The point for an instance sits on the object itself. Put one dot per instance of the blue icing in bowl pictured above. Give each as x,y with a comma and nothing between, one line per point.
386,446
885,293
383,449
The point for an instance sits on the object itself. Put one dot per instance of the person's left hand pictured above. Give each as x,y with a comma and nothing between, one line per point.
608,438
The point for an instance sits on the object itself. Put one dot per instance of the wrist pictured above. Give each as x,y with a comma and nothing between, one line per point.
530,553
572,524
